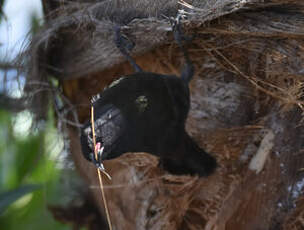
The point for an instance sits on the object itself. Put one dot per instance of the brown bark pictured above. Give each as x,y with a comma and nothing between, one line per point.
246,101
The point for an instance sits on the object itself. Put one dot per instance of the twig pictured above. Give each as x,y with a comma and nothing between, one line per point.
98,171
8,66
12,104
256,81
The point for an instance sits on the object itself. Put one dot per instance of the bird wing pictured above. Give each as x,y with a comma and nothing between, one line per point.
110,126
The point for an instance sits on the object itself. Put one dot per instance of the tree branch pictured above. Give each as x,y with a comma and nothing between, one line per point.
7,66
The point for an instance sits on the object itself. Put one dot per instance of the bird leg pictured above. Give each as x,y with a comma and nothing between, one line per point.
125,46
188,70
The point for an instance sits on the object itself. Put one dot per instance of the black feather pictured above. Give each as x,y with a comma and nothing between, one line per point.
146,112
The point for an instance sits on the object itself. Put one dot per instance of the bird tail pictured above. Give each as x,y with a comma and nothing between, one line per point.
190,160
201,163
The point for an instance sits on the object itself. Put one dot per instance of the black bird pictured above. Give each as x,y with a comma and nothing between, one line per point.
146,112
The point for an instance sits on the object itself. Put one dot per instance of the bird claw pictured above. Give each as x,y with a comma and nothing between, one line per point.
180,38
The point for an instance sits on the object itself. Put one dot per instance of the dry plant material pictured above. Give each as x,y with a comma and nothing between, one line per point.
96,149
258,161
290,96
261,43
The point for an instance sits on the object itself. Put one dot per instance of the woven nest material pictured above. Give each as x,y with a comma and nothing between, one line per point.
82,35
257,40
246,105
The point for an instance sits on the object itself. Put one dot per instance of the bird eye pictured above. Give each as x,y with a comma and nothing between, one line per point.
141,103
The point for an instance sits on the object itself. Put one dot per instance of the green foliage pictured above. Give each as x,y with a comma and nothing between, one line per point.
7,198
29,174
24,161
35,23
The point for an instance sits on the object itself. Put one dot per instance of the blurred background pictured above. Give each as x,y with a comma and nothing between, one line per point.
28,176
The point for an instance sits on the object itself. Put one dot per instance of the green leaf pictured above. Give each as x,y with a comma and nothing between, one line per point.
7,198
28,153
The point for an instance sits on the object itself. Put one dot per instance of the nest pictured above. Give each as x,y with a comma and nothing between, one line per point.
248,57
